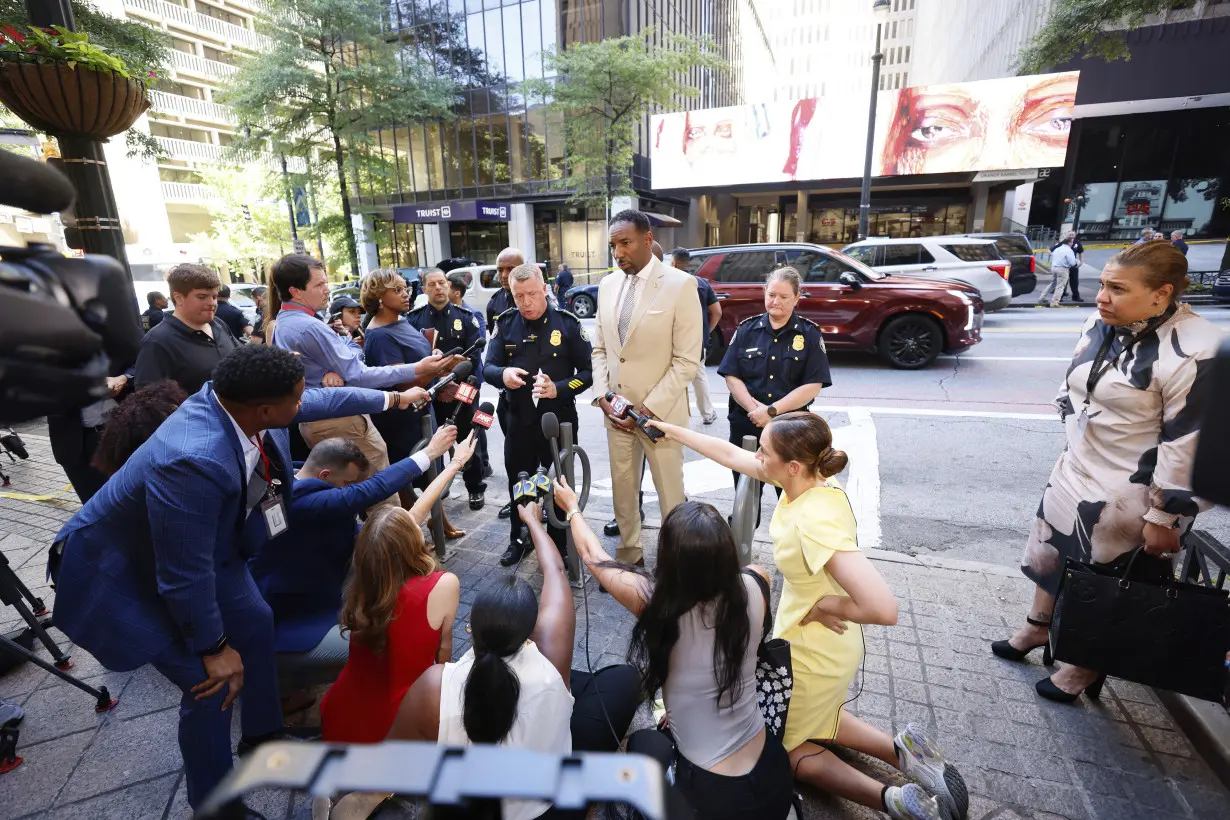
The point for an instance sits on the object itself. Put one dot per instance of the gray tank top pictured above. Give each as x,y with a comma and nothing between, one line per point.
705,731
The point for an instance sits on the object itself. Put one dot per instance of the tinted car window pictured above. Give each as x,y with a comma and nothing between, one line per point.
865,254
490,278
1013,244
745,266
973,253
900,254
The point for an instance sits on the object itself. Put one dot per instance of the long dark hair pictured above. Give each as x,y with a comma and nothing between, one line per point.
133,422
698,564
501,619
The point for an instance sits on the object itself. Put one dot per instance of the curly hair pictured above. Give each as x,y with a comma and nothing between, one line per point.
375,284
133,422
254,374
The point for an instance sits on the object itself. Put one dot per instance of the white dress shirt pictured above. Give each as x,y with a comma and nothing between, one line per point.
251,453
642,279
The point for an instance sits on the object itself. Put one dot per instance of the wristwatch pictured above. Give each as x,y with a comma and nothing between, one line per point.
772,411
215,649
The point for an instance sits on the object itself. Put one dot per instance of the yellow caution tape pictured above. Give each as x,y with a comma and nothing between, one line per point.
30,497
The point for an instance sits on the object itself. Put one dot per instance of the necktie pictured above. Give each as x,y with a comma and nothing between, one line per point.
625,310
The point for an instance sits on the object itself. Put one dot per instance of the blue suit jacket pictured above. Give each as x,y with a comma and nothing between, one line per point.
142,557
301,572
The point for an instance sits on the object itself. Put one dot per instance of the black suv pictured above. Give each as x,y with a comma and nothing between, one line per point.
1017,249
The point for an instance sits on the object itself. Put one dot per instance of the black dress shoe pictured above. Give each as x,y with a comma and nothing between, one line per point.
610,528
513,554
476,500
506,510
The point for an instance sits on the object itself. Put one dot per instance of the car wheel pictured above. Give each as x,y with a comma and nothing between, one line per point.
583,306
910,342
716,348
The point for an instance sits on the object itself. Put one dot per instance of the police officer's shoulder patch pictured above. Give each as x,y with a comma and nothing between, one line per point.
474,320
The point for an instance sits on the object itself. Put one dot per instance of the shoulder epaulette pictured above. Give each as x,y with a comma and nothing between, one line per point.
810,322
506,313
570,315
750,319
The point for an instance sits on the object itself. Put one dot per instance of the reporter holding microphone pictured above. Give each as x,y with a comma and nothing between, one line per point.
540,356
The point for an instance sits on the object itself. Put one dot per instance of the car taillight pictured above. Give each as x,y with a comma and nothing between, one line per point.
1033,264
1002,270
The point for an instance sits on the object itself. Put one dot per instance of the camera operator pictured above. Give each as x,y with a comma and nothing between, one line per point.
153,570
541,356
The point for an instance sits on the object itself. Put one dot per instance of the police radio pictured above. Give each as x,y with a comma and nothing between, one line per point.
623,409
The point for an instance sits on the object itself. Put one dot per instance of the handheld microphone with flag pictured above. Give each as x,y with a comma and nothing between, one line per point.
484,416
624,409
460,373
467,392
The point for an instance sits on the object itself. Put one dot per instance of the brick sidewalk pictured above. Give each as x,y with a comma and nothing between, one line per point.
1023,757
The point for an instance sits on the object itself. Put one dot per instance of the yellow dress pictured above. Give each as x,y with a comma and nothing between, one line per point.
806,531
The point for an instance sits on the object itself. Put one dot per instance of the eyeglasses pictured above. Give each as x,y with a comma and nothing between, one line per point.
399,291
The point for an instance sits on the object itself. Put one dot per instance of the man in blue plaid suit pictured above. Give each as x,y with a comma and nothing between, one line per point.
153,568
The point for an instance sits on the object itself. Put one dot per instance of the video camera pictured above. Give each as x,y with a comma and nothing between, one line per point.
62,321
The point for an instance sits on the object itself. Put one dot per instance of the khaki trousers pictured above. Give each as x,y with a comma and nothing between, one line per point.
363,433
665,465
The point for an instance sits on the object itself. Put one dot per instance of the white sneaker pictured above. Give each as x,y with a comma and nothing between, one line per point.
709,419
910,802
921,760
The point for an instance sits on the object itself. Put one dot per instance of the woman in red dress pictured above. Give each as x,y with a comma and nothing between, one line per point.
399,609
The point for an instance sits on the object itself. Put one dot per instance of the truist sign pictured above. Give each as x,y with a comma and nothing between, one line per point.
464,211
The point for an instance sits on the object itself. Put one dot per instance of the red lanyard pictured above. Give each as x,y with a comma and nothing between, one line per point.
294,306
264,460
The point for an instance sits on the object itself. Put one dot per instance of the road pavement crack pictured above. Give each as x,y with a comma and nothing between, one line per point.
956,366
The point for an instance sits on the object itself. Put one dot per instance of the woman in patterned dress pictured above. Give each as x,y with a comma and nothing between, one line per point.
1131,405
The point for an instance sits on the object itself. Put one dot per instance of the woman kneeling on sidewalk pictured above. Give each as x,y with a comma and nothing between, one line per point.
830,589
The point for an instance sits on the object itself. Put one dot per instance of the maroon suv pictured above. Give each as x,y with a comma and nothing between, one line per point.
908,321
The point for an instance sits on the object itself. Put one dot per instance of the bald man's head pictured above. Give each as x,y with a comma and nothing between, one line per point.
508,259
656,249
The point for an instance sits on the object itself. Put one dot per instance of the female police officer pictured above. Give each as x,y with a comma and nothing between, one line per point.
775,363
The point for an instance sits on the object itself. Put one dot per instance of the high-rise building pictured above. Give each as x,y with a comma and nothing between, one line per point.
493,175
964,40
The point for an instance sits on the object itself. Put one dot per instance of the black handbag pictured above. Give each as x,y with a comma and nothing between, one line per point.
774,673
1170,635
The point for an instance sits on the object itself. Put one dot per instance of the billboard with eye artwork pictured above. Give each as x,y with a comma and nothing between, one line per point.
991,125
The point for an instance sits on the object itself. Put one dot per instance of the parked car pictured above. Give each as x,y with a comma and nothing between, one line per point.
1221,288
582,300
1017,249
484,281
908,321
975,262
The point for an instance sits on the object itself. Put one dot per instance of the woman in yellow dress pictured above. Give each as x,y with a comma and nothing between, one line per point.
830,590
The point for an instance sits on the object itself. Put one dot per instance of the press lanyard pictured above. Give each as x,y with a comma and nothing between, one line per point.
1098,369
293,306
273,509
260,448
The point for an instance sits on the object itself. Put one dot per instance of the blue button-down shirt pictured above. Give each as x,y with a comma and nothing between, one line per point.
323,351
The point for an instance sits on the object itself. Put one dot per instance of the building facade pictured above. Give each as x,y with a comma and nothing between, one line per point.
492,175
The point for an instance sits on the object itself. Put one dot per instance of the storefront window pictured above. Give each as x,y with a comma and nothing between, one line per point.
1137,206
478,240
1189,205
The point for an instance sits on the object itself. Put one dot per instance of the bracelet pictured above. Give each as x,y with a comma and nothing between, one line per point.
574,511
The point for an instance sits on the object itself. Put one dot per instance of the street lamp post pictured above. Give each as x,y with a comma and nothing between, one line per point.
880,10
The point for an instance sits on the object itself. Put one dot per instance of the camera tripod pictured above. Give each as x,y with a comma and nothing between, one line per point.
20,644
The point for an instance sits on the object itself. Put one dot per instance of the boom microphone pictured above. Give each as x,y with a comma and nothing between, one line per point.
34,186
460,373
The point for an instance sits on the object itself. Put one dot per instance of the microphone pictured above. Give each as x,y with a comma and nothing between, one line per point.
623,408
460,373
34,186
484,416
523,490
550,430
466,394
542,484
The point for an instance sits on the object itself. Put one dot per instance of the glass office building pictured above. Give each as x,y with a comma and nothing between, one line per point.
493,175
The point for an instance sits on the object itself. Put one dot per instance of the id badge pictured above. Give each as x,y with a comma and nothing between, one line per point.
274,511
1082,421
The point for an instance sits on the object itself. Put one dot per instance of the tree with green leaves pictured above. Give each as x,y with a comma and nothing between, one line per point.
329,80
144,49
1088,28
250,223
603,90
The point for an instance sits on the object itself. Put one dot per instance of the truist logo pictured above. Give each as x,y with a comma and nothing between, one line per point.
497,211
438,212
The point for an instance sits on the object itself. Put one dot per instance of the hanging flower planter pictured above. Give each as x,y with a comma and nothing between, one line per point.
62,84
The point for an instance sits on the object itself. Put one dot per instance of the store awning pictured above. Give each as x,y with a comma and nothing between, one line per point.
662,220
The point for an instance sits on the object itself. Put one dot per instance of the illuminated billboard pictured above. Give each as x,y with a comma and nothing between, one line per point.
991,125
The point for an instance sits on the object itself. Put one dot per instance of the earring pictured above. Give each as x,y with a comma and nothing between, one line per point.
1155,304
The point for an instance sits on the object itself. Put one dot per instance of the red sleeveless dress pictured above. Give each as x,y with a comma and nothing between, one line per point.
361,705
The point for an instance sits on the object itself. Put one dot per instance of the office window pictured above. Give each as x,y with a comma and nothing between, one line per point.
905,80
907,54
896,5
894,28
896,81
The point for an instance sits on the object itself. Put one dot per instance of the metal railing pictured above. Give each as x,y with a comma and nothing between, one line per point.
747,506
182,61
1206,560
188,192
201,22
187,106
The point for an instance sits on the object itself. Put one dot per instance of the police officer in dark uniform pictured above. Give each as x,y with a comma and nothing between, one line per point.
156,311
455,328
502,299
456,294
535,337
775,363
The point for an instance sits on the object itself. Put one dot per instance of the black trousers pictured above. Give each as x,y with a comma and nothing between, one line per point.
764,793
472,473
85,479
1074,283
740,426
525,450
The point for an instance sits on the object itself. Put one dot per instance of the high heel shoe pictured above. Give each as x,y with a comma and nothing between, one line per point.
1005,649
1047,689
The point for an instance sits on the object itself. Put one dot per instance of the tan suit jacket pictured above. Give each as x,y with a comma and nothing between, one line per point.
661,354
652,368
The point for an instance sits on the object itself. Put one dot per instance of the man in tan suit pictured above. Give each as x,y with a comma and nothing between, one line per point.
647,349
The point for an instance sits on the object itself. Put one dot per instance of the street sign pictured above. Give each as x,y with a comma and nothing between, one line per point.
300,246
